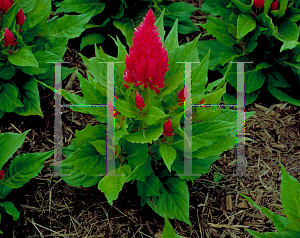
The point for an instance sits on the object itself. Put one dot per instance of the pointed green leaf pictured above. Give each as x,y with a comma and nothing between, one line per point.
25,167
23,58
31,99
11,142
10,208
146,136
168,153
112,185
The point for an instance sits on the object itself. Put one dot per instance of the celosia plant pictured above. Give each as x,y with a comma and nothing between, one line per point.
264,32
149,132
28,41
21,169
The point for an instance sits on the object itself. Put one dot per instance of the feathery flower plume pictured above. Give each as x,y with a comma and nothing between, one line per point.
20,17
6,4
9,38
181,97
168,128
147,61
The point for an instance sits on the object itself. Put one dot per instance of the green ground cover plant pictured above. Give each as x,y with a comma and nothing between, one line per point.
264,32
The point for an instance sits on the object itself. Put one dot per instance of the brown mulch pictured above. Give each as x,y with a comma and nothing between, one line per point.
51,208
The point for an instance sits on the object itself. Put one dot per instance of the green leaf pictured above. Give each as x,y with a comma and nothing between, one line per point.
253,79
240,4
10,208
125,25
168,231
182,11
153,114
141,171
125,108
223,143
174,200
199,75
111,185
281,95
9,98
57,45
23,168
277,80
146,136
91,95
90,133
245,24
136,155
172,38
11,142
219,29
42,58
265,21
8,71
216,50
119,134
210,7
23,58
68,26
199,166
78,179
290,195
31,99
149,187
100,146
79,6
159,23
87,160
249,98
288,33
91,39
168,153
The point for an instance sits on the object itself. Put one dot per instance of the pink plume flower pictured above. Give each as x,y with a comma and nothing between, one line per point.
147,61
139,101
181,97
6,4
168,128
9,38
1,174
258,3
274,5
20,17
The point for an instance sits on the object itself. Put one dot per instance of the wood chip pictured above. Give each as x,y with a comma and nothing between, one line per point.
228,202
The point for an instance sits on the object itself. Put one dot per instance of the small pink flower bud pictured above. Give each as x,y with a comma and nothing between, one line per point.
6,4
274,5
20,17
181,97
258,3
1,174
168,128
9,38
139,101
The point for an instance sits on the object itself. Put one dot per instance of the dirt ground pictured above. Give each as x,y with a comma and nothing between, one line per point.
51,208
